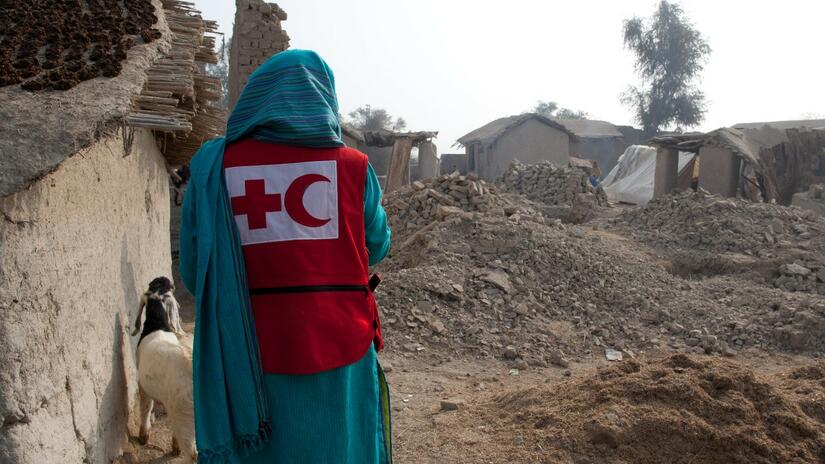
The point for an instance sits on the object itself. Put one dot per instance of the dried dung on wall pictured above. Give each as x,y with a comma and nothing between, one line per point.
56,44
700,224
679,409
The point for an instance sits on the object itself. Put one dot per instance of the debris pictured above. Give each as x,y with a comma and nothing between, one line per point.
612,355
556,357
452,405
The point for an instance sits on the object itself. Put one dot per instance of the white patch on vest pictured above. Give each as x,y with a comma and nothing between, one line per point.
320,201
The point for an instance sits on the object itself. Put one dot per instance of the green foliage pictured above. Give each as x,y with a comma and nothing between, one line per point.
550,109
565,113
368,118
670,54
221,70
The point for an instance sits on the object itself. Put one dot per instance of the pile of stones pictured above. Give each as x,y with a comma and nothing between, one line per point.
419,204
802,276
701,221
550,184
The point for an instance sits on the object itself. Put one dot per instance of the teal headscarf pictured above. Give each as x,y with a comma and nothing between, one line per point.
290,99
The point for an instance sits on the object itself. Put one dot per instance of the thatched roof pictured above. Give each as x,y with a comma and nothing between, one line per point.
590,128
490,132
41,129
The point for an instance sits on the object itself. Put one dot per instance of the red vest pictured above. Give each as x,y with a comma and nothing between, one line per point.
300,216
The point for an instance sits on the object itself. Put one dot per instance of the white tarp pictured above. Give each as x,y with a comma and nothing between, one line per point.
631,180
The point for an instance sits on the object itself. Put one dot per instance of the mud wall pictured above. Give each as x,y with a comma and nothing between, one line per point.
76,250
256,36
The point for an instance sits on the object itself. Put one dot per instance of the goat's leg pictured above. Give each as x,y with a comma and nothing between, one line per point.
146,406
183,433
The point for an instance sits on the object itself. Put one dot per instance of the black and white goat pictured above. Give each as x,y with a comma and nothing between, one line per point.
162,288
164,364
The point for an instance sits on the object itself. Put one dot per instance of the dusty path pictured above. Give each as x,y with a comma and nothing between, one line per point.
423,433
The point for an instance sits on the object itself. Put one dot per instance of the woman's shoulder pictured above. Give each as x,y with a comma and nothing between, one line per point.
206,157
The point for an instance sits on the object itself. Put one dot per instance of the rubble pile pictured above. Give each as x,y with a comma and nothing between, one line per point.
698,223
712,410
550,184
536,292
419,204
698,220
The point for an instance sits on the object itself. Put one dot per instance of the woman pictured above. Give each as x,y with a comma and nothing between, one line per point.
280,224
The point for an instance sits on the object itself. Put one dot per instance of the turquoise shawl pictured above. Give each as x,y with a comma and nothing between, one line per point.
290,99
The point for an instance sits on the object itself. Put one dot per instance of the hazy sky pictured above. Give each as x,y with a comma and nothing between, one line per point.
454,65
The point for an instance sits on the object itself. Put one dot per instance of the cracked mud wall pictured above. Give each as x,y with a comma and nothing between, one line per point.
76,250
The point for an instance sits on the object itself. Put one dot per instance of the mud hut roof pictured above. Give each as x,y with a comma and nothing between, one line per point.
784,125
352,132
50,111
590,128
489,133
386,138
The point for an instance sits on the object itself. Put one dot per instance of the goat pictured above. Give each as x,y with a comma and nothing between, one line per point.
163,288
165,374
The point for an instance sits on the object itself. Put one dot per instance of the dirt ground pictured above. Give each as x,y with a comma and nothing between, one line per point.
475,433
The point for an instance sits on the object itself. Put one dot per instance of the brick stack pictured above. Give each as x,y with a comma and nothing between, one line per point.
257,35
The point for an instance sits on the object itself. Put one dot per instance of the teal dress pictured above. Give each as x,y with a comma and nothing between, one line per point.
341,415
241,414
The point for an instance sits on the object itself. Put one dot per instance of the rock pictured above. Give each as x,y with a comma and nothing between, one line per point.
452,404
556,358
499,279
413,347
710,343
386,366
520,364
796,270
692,341
613,355
437,326
510,352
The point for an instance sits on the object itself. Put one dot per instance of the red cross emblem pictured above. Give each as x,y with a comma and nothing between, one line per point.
256,203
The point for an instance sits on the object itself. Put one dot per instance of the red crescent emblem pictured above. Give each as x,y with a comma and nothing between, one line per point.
294,200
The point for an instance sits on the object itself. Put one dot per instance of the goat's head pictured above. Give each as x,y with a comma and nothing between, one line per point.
161,285
156,317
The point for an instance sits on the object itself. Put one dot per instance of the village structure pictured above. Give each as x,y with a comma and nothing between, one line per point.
561,282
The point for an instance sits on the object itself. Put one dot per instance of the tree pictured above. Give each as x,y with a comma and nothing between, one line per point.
670,54
550,109
565,113
221,70
368,118
546,108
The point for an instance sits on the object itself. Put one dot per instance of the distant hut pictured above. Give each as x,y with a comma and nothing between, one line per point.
599,141
451,162
93,114
529,138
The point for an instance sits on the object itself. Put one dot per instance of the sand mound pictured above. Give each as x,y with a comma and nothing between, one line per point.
679,409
